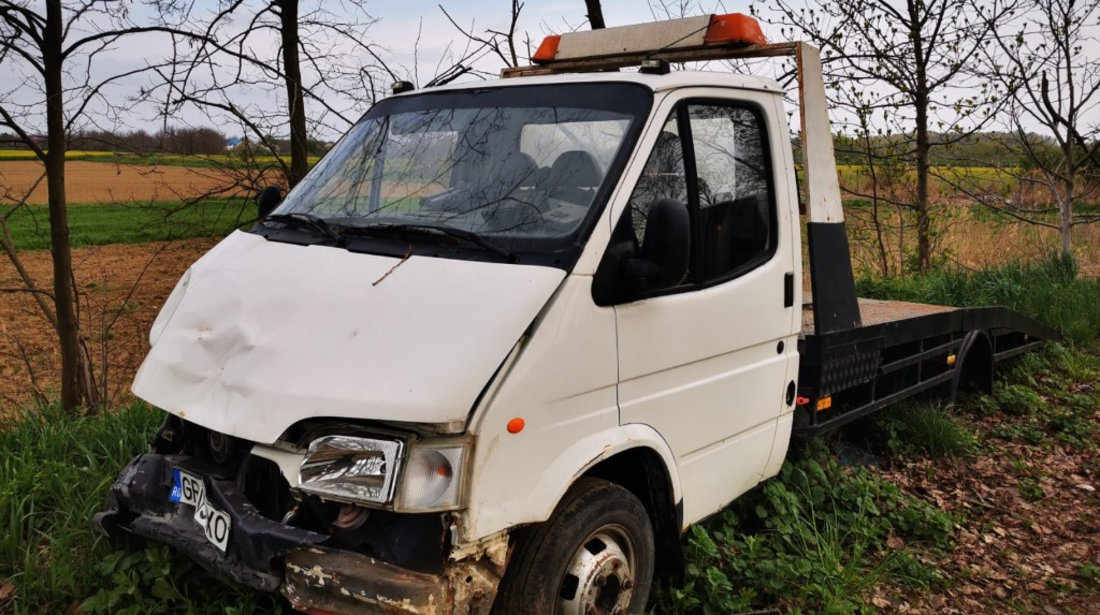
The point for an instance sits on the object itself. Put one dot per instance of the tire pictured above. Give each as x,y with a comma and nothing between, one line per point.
594,556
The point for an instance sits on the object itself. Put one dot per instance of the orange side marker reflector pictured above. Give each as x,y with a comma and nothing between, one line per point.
548,49
824,403
732,28
951,360
516,425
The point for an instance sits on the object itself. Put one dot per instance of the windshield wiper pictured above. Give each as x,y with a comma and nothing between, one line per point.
432,230
302,220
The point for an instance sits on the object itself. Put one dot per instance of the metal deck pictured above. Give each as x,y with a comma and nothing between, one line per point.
877,312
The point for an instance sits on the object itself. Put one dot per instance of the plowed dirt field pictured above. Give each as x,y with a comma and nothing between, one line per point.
121,289
103,182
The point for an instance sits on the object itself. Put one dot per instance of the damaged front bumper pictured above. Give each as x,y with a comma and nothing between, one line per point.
269,555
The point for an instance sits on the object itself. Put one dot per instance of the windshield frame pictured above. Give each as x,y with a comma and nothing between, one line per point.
630,99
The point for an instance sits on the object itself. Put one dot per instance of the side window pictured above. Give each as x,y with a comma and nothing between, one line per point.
735,209
664,177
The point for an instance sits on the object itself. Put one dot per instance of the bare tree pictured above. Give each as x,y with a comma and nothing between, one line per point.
499,43
903,65
234,62
595,14
51,50
1048,64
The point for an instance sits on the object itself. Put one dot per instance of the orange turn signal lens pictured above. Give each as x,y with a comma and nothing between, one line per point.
548,49
824,403
730,28
516,425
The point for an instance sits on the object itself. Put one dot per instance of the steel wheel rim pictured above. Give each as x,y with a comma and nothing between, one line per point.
600,576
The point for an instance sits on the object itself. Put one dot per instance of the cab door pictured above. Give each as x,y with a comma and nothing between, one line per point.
706,362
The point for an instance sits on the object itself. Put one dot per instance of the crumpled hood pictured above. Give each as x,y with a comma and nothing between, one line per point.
259,335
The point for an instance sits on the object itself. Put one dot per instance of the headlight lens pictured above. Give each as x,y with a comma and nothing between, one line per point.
348,469
433,477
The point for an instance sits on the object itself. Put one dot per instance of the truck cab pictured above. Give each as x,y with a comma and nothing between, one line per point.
503,344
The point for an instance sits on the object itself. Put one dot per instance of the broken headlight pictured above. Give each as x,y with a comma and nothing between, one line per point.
350,469
422,476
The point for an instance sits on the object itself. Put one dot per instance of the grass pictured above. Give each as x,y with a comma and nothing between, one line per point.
99,224
1048,290
54,474
816,539
911,428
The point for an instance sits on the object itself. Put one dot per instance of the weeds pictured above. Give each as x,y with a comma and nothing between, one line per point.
1047,396
1089,573
54,474
1030,489
818,538
919,429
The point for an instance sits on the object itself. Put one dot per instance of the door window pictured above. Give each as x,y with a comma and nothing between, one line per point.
736,213
715,159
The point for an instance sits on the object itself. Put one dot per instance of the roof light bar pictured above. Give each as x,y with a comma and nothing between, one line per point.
651,39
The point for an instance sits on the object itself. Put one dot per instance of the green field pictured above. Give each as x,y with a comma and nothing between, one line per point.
99,224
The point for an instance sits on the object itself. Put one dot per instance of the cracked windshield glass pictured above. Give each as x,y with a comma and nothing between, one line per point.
519,168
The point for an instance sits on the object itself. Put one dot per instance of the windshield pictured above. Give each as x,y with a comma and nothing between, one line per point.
523,168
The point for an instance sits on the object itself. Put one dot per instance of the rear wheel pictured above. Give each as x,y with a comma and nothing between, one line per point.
594,556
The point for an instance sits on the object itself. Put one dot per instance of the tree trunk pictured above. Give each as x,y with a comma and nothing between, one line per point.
293,76
595,14
1065,210
920,102
75,383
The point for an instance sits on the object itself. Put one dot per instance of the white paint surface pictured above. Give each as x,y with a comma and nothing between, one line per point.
267,334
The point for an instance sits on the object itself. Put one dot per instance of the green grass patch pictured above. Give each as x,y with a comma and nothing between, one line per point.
816,539
927,429
1049,291
98,224
54,474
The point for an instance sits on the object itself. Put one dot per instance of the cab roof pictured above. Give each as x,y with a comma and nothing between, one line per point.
657,83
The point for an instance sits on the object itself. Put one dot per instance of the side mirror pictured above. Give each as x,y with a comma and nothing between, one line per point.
627,273
268,199
666,248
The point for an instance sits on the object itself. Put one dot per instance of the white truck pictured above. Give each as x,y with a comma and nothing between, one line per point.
509,339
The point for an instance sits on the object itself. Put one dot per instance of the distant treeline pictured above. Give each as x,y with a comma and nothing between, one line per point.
992,149
185,141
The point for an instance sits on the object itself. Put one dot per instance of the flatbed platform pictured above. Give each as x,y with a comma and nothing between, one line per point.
878,311
902,350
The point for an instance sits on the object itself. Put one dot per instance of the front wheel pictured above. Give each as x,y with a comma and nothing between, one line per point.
594,556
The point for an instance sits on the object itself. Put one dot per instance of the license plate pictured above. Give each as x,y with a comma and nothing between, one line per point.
190,489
